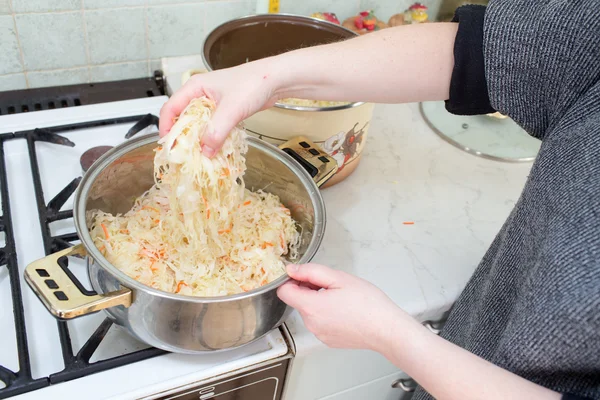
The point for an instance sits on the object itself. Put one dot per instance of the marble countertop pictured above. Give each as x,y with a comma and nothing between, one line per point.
457,201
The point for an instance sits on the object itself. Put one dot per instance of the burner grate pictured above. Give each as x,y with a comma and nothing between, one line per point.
21,381
76,365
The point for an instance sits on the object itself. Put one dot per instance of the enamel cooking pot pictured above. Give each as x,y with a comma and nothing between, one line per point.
175,322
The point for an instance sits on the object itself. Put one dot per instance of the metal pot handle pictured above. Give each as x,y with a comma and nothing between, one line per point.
60,291
320,165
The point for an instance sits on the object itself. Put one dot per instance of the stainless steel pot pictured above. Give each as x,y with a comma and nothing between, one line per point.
169,321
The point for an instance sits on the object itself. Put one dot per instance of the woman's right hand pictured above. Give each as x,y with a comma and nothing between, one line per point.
238,92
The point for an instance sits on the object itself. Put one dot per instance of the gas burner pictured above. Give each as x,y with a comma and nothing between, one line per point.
91,155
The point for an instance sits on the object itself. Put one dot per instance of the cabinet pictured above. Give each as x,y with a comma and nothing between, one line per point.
386,388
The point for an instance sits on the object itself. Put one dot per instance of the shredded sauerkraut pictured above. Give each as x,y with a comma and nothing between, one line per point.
198,231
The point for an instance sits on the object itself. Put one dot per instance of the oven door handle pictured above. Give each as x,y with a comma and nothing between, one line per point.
60,291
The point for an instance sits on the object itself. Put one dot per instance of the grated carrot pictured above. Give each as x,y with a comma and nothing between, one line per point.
151,208
247,203
408,223
267,244
125,231
179,285
105,231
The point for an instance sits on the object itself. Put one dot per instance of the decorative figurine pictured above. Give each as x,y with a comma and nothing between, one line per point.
325,16
364,22
415,14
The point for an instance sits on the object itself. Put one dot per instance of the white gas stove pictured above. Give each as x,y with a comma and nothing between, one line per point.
90,357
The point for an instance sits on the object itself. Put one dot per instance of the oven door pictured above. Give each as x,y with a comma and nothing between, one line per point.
265,383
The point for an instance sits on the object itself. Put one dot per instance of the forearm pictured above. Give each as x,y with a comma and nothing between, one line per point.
450,372
396,65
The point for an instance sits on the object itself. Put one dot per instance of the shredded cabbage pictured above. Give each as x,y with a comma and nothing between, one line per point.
198,231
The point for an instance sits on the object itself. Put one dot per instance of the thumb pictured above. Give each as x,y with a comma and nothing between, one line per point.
315,274
224,119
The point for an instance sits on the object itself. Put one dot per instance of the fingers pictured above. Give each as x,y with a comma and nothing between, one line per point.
309,285
177,103
294,295
315,274
225,118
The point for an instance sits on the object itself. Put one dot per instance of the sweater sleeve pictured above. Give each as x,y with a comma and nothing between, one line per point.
540,58
468,87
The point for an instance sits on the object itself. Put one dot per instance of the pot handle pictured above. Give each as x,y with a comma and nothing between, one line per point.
320,165
60,291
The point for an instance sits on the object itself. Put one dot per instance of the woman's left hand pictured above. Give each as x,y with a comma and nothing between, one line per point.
340,309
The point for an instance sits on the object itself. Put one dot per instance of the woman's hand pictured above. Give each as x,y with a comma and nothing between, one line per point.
239,92
340,309
348,312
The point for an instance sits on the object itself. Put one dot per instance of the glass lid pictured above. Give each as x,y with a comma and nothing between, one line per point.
491,136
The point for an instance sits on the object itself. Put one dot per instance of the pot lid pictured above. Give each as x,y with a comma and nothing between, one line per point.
495,137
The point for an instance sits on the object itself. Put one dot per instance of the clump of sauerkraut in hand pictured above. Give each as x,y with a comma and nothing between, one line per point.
198,231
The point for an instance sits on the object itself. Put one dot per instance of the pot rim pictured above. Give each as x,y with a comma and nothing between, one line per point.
292,16
79,209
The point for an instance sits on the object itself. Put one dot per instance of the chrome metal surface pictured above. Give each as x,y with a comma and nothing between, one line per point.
408,385
433,328
268,35
188,324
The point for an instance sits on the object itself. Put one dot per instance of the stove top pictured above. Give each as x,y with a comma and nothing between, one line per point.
42,157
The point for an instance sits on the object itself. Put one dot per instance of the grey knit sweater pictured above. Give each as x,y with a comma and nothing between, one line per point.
533,304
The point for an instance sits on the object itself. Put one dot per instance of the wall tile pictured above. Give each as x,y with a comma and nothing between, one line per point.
51,41
12,82
154,65
342,8
59,77
45,5
5,7
156,2
10,61
218,12
176,30
91,4
116,35
115,72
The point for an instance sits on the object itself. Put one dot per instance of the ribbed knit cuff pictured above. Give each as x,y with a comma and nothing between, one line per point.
468,87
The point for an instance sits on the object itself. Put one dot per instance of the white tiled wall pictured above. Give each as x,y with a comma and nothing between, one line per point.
54,42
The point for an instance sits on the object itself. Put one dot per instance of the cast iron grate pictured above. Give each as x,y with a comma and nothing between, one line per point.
76,364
